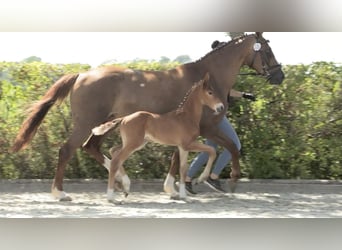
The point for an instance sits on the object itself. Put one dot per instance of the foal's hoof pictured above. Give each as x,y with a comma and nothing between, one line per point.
232,183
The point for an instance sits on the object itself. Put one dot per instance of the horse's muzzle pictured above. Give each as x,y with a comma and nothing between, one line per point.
219,108
276,77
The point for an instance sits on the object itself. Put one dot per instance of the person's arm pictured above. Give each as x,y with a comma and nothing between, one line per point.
235,93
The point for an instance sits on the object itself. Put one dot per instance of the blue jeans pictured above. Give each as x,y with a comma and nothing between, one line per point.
223,159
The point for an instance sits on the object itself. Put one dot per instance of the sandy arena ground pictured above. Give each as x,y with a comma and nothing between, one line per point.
253,199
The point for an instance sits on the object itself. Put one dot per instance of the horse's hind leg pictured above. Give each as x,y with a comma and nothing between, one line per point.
65,154
226,142
92,147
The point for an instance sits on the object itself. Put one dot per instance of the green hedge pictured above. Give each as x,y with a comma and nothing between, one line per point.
293,130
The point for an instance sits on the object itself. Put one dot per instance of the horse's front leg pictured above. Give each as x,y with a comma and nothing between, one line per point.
183,158
169,183
224,141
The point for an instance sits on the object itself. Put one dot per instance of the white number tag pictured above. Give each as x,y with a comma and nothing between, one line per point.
257,46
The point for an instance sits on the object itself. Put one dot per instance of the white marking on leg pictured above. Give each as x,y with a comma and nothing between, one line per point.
183,157
126,183
112,198
110,194
106,163
60,195
182,192
169,187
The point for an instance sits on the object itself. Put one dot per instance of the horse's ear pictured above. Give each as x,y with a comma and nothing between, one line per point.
258,34
206,77
206,81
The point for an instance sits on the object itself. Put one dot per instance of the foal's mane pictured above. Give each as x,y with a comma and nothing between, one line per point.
180,108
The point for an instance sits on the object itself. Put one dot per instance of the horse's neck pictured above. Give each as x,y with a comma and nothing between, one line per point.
192,107
224,65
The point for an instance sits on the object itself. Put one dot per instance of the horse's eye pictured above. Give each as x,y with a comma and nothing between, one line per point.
210,93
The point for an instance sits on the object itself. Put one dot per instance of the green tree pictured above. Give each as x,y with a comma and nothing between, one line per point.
182,59
32,59
164,59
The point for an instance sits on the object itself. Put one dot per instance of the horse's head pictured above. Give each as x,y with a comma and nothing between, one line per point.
209,96
263,60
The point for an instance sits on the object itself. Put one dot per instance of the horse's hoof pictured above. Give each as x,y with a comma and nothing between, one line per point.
186,200
60,195
175,197
116,202
66,198
232,185
126,194
169,188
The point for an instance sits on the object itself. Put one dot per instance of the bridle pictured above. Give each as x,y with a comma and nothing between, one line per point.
266,67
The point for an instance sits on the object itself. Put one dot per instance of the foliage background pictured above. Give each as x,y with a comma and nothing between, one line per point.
293,130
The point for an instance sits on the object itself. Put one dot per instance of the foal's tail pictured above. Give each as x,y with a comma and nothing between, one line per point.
105,127
102,129
58,91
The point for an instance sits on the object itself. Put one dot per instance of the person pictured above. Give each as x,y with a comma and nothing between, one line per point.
224,158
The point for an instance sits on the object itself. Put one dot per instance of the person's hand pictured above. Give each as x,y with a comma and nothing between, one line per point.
248,96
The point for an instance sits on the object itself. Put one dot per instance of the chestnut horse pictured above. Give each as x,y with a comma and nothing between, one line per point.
179,127
99,95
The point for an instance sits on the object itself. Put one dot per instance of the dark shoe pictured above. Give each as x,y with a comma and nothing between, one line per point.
188,187
215,184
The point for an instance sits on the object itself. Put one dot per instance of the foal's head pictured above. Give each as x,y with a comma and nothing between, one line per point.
209,97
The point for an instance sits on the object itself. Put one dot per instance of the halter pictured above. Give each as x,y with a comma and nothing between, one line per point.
266,67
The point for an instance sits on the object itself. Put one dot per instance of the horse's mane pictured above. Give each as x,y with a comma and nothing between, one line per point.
186,97
228,44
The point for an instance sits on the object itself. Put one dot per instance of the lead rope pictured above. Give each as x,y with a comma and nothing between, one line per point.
250,74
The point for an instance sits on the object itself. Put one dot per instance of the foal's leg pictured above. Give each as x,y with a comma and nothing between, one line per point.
92,147
183,157
169,186
118,158
200,147
122,181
